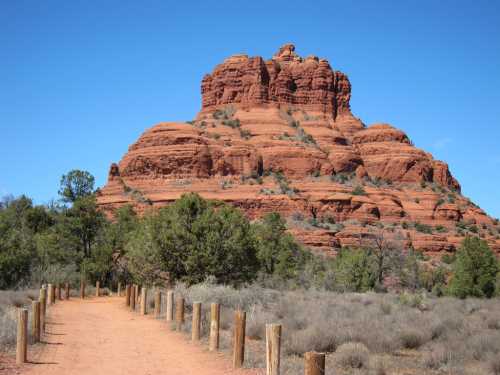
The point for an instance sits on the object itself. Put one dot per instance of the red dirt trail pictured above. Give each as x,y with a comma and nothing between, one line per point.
100,336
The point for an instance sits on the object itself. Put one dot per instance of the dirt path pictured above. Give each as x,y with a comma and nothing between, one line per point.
100,336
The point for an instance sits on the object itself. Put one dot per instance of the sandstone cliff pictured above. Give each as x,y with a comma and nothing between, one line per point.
279,135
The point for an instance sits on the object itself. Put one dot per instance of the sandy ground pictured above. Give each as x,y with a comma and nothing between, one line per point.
100,336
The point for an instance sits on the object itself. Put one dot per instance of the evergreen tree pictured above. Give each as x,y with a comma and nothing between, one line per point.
475,270
76,184
277,251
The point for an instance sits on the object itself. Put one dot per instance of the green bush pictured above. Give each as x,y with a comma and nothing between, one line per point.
423,228
359,190
475,270
355,270
191,240
277,251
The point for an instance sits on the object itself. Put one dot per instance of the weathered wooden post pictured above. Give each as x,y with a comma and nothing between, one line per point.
170,306
127,295
82,289
67,290
45,294
119,291
132,298
273,349
35,321
22,336
157,303
179,313
51,296
58,292
239,338
144,301
314,363
43,308
97,288
214,327
196,323
137,294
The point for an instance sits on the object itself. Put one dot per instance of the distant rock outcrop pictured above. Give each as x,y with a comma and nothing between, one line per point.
279,135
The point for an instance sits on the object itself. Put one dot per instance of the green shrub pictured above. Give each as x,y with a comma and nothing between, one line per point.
355,269
475,270
474,229
190,240
233,123
277,251
448,258
441,229
423,228
358,190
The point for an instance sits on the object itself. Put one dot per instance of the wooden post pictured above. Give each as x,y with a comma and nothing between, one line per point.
170,306
137,293
214,327
82,289
196,324
273,349
127,295
35,321
43,309
45,294
179,313
314,363
22,336
51,294
58,292
119,291
97,288
67,290
239,338
132,298
144,301
157,304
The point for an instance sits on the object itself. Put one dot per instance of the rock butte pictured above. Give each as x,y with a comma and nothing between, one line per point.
291,115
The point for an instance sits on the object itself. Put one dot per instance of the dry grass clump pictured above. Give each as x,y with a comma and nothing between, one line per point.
353,355
9,302
412,338
494,365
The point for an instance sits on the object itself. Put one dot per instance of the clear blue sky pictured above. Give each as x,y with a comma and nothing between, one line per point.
81,80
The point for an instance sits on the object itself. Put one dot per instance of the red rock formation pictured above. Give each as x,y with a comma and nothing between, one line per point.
292,115
285,79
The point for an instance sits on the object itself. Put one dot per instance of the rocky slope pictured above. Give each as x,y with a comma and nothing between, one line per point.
279,135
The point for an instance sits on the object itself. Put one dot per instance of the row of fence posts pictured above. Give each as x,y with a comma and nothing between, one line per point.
314,362
48,295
